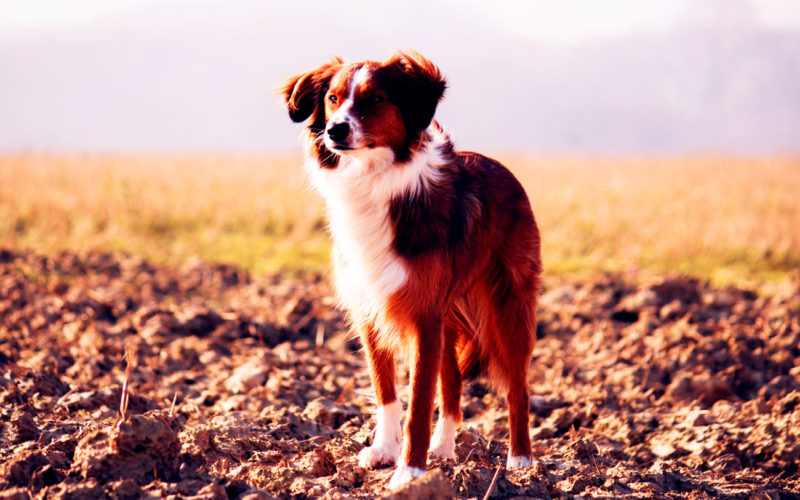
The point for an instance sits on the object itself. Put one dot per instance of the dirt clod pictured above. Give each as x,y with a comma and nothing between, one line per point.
434,485
143,446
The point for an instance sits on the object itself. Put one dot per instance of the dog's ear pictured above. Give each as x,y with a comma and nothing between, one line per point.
304,92
416,86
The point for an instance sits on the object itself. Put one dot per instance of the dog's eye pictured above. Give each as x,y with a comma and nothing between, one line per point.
375,99
333,99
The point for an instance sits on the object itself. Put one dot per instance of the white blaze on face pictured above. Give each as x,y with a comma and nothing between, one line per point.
360,77
345,112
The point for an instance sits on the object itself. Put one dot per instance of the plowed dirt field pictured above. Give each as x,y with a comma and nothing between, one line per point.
245,387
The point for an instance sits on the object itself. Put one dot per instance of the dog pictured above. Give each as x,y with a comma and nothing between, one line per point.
436,252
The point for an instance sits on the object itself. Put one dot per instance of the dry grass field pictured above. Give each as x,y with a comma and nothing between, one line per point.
729,220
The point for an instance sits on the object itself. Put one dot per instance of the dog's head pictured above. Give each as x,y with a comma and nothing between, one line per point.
355,107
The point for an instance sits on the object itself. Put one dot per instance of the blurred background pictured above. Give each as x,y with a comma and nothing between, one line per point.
626,120
622,76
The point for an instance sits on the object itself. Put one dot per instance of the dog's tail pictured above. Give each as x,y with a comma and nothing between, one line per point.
468,354
470,363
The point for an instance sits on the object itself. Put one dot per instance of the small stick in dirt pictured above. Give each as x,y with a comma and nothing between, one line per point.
125,395
594,462
649,364
61,403
130,361
320,334
491,485
346,390
300,323
172,406
164,420
288,309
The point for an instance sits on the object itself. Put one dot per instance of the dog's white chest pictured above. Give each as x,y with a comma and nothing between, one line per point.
367,269
358,194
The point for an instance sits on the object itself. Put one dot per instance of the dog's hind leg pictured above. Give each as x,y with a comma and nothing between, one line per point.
519,447
513,302
515,319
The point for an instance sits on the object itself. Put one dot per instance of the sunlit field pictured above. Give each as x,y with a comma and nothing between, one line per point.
729,220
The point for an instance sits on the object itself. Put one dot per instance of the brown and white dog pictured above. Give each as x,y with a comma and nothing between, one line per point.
436,251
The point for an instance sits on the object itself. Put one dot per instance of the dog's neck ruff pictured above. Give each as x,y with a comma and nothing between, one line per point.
358,193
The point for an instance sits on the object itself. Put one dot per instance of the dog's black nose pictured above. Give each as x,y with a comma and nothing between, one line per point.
339,131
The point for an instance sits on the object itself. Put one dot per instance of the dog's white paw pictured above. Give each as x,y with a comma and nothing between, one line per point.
443,441
386,446
518,462
403,474
444,449
379,454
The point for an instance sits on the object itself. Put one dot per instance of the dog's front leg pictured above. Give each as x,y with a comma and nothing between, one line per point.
385,446
424,370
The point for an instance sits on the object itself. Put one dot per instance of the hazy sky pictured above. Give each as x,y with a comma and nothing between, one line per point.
556,20
672,76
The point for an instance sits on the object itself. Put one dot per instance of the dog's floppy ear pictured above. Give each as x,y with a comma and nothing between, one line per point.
304,92
416,85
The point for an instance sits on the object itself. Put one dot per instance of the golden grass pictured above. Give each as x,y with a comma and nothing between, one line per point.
731,220
251,211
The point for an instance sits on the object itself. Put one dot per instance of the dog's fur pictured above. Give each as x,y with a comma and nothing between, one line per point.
436,251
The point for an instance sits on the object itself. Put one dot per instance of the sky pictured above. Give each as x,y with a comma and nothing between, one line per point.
619,76
557,20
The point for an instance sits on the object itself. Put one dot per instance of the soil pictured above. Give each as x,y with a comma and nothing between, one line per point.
245,387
